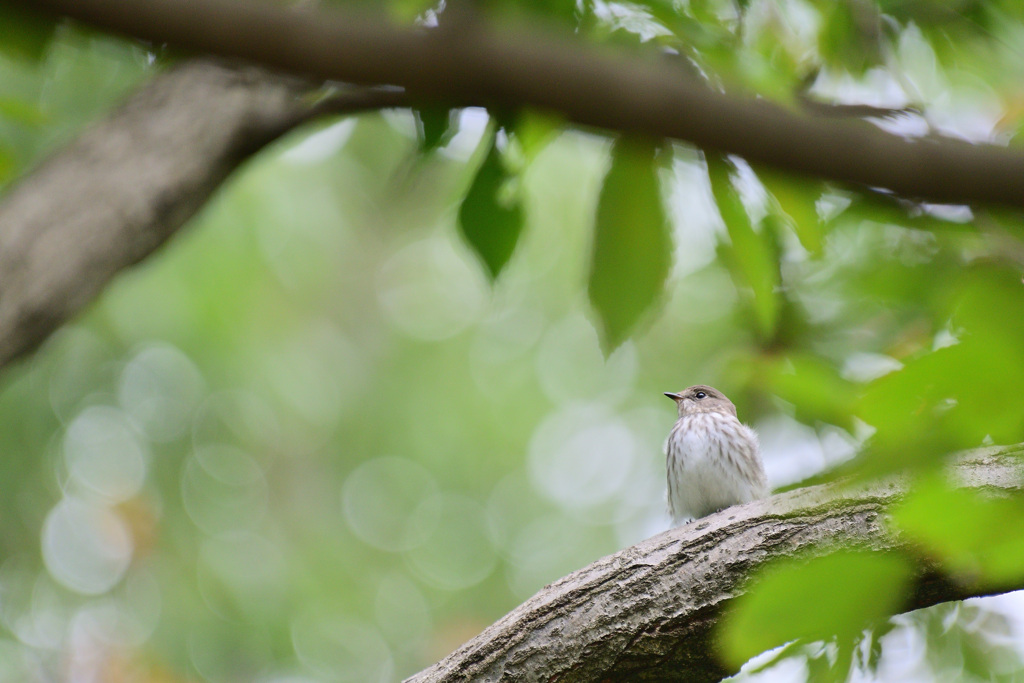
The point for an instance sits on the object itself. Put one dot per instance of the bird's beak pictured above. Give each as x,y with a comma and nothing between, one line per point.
674,397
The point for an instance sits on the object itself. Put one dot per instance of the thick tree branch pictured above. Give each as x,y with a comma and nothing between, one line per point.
647,613
128,183
472,63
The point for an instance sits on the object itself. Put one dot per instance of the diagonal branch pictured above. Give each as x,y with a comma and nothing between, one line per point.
647,613
473,63
128,183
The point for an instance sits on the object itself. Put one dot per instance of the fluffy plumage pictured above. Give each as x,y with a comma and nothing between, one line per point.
713,459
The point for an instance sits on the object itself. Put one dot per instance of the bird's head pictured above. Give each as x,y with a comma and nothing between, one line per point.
700,398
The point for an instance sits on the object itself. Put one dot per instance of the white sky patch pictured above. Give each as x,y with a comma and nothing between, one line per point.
471,126
864,367
321,145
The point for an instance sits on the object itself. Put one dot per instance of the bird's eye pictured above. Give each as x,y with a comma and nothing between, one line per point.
700,395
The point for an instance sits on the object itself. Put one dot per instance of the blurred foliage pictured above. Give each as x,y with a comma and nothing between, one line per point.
852,587
24,34
407,368
980,539
631,242
491,215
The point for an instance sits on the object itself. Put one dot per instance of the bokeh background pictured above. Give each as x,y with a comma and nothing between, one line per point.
309,440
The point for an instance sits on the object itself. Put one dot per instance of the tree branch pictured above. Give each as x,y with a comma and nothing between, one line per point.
647,613
127,184
477,64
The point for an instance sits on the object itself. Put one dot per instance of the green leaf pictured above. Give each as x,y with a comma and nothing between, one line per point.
951,398
795,198
407,11
851,36
974,535
534,130
8,165
813,386
24,34
849,590
436,126
491,215
555,10
753,257
22,111
632,248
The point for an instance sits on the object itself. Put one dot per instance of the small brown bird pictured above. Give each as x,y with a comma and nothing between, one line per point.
713,459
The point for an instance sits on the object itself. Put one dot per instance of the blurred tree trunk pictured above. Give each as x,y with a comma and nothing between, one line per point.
124,186
129,182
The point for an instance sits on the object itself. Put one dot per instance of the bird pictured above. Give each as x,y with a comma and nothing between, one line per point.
713,460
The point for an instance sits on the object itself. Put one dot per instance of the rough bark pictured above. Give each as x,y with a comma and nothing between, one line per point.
473,63
129,182
647,613
124,186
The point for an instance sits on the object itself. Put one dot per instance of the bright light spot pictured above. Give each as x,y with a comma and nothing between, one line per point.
390,503
236,416
581,456
694,217
429,291
160,387
86,548
503,337
793,451
944,338
244,559
570,365
317,372
459,553
44,623
140,605
223,489
629,17
321,145
471,126
401,611
104,453
507,334
401,121
864,367
341,649
877,88
512,504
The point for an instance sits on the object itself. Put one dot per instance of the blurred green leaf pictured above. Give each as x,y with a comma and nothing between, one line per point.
435,126
948,399
962,12
851,35
409,10
563,11
491,215
814,388
753,257
796,199
974,535
821,668
632,248
534,130
24,34
21,111
849,590
8,165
